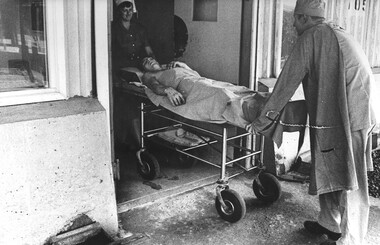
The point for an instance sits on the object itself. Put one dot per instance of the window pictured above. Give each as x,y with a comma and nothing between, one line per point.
37,38
22,45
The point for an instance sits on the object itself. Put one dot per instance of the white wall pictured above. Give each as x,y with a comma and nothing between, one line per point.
54,169
214,47
55,157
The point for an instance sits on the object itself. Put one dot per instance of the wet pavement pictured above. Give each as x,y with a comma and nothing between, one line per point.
191,218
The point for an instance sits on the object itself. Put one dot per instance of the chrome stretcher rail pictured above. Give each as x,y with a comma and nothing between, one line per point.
238,136
154,110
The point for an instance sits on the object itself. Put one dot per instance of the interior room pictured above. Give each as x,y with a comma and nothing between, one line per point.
178,34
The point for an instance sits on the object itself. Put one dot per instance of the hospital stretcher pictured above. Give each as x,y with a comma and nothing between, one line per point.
229,204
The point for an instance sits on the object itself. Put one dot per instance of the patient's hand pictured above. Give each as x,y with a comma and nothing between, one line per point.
175,97
174,64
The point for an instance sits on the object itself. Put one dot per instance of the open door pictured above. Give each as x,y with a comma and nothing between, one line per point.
158,17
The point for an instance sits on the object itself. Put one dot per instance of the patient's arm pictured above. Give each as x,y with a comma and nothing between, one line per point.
175,97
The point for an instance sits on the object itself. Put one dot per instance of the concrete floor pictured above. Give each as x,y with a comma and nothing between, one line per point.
175,177
191,218
133,186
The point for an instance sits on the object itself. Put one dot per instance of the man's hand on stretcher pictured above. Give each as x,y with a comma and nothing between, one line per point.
175,97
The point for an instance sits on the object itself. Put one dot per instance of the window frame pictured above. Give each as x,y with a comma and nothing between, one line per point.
56,57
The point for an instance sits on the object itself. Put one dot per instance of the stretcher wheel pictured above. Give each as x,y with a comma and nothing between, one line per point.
266,188
235,206
148,168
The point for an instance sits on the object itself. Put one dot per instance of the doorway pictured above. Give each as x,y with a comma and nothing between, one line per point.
177,174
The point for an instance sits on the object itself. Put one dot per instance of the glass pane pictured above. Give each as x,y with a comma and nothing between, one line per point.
289,34
22,45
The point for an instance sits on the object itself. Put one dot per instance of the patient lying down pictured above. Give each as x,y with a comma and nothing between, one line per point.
164,80
182,90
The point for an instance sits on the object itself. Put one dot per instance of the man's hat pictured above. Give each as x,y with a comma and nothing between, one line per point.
118,2
311,7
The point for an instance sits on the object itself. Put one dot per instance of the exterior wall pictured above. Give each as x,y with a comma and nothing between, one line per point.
56,156
213,47
55,166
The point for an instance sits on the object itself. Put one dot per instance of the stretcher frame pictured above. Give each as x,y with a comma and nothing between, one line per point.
229,204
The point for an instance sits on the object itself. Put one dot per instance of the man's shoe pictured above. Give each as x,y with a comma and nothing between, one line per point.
315,228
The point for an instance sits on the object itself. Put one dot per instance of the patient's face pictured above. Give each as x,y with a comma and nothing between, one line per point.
150,64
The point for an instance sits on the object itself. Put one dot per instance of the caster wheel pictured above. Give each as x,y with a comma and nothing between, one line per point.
149,167
266,188
235,209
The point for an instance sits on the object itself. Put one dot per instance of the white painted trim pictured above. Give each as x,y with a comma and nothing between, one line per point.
85,55
102,12
253,82
29,96
102,53
56,46
102,18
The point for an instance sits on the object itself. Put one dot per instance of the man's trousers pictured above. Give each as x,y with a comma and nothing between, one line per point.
347,212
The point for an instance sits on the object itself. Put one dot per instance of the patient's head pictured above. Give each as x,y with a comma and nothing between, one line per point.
150,64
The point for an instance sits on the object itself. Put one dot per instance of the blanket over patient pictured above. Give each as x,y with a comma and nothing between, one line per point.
218,102
209,101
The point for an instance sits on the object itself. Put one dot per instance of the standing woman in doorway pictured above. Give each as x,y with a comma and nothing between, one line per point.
129,39
129,46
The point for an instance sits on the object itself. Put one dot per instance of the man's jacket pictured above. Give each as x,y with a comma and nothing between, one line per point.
337,80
